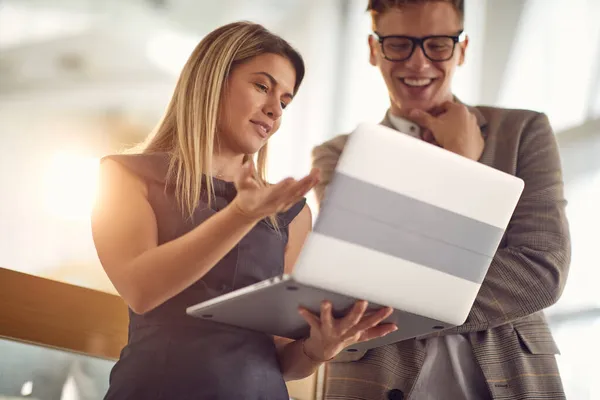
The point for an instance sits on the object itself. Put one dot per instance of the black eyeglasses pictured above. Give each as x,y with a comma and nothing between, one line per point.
435,48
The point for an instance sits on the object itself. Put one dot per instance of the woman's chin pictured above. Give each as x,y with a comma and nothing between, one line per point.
253,148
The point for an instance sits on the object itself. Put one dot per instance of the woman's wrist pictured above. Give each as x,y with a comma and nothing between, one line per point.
310,354
235,209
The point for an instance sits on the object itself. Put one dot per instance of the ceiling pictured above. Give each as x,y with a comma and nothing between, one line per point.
113,55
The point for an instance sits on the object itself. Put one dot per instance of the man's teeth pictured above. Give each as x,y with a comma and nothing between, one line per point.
417,82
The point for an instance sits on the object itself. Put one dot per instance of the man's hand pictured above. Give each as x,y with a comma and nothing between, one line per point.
454,128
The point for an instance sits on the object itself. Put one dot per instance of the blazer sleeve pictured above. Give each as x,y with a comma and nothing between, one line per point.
325,157
530,272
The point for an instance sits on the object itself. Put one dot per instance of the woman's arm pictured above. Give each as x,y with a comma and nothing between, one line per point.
126,236
328,336
293,362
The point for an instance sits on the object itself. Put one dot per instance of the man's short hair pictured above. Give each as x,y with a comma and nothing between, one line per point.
377,7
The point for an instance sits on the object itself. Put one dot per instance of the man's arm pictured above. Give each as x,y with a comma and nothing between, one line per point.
529,274
325,157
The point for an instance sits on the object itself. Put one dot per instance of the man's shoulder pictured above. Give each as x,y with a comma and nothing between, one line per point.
499,115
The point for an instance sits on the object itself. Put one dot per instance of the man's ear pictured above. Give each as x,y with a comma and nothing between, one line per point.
463,50
373,47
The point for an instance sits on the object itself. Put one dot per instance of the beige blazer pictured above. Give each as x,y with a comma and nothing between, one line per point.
507,330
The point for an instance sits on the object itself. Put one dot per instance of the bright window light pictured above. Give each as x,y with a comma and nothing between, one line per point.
71,186
169,50
25,23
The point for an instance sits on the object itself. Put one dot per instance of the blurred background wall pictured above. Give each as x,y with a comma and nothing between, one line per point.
83,78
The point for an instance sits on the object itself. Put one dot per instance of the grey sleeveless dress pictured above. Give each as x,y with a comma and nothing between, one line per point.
172,356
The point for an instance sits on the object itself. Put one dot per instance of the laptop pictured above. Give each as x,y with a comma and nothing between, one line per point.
403,224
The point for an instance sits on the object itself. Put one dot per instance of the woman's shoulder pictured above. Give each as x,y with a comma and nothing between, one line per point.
299,208
145,166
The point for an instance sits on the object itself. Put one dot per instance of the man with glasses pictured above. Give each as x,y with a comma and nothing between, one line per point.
505,349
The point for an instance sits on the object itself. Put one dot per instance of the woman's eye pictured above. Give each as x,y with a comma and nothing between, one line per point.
261,87
283,105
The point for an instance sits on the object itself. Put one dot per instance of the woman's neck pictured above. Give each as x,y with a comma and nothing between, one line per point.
226,166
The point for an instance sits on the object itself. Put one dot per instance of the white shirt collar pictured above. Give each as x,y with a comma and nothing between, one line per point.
397,123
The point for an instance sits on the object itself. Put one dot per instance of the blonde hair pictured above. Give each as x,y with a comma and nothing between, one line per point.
188,130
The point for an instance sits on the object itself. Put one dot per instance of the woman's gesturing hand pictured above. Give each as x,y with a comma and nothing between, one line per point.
257,201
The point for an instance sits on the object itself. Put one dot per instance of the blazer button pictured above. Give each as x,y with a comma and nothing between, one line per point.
395,394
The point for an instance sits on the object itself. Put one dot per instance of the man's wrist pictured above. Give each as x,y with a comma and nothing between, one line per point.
469,148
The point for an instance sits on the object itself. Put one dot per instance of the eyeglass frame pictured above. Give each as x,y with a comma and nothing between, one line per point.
416,41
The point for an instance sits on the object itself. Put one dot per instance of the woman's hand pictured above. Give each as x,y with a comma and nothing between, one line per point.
329,336
257,201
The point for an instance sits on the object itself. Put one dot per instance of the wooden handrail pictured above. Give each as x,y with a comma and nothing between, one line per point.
76,319
60,315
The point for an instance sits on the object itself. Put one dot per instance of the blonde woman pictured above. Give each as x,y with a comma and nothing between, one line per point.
190,218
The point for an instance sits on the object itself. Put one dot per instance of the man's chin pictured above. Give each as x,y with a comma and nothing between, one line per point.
428,105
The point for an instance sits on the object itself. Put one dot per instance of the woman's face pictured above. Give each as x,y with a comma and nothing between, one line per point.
255,95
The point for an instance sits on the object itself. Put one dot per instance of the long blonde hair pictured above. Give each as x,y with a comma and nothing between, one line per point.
188,130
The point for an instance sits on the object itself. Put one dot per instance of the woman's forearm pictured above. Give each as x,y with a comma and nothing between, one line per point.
162,272
295,362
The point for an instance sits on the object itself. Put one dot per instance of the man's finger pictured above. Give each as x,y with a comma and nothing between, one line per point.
423,119
428,137
447,106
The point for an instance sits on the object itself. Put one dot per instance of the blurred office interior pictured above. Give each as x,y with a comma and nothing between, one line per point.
80,79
